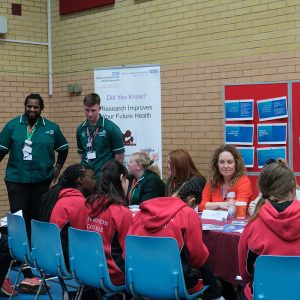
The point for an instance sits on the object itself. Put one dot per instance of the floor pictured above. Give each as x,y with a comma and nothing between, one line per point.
55,289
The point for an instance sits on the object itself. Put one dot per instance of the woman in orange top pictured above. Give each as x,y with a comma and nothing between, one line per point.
227,174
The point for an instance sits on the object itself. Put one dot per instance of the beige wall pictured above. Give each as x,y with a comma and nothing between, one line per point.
200,45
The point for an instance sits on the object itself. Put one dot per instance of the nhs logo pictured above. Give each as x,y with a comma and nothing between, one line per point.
115,74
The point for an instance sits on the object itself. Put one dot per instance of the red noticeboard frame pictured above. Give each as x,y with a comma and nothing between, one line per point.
260,91
70,6
295,91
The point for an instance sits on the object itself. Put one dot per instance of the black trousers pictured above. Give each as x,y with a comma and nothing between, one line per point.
5,258
26,197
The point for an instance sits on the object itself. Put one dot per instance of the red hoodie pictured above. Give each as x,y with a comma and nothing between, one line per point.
171,217
271,233
70,208
112,224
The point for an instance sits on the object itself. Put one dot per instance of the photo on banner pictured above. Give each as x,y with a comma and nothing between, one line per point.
131,98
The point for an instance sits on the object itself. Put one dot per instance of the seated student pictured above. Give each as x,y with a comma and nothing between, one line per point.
181,168
253,203
145,182
153,219
64,203
108,215
227,173
274,227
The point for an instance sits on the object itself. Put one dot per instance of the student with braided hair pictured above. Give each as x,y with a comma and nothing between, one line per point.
61,203
191,192
175,217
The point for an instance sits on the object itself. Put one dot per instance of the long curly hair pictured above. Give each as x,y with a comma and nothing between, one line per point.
215,177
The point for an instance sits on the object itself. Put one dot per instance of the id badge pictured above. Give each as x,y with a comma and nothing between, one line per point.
27,157
91,155
27,149
28,142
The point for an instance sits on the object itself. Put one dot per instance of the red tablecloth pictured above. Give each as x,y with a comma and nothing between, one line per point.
223,253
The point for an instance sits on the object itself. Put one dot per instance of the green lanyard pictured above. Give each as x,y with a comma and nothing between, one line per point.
31,130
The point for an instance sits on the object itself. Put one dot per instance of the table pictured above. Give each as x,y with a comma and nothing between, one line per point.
223,253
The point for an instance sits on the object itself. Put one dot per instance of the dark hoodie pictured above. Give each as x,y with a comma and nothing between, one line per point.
171,217
274,232
112,224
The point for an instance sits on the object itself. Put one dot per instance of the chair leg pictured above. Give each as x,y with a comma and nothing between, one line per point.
99,296
17,280
79,292
43,282
64,288
47,288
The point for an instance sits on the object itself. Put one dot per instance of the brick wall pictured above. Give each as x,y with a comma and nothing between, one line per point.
200,45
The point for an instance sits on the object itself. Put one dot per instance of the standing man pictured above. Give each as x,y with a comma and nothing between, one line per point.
98,139
31,142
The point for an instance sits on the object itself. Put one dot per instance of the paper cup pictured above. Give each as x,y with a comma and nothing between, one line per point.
241,209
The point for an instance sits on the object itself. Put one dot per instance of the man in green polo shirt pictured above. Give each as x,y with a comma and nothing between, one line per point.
31,142
98,139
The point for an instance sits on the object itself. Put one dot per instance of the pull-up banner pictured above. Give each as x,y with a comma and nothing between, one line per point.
131,98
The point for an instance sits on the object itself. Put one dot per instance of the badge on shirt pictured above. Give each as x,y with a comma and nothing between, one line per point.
91,155
28,142
26,155
27,149
102,133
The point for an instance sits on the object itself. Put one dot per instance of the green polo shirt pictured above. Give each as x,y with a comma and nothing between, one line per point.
46,139
107,142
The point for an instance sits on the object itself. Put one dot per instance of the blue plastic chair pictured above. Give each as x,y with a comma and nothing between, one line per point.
19,247
153,268
47,252
88,262
276,278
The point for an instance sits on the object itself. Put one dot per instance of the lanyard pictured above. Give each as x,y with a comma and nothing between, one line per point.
93,137
132,190
31,130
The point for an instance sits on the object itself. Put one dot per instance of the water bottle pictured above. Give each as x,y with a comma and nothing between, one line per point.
231,204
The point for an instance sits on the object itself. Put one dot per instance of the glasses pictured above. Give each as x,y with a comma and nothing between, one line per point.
279,161
270,161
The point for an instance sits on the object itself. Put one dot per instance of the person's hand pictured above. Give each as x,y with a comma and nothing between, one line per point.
217,205
223,205
55,174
